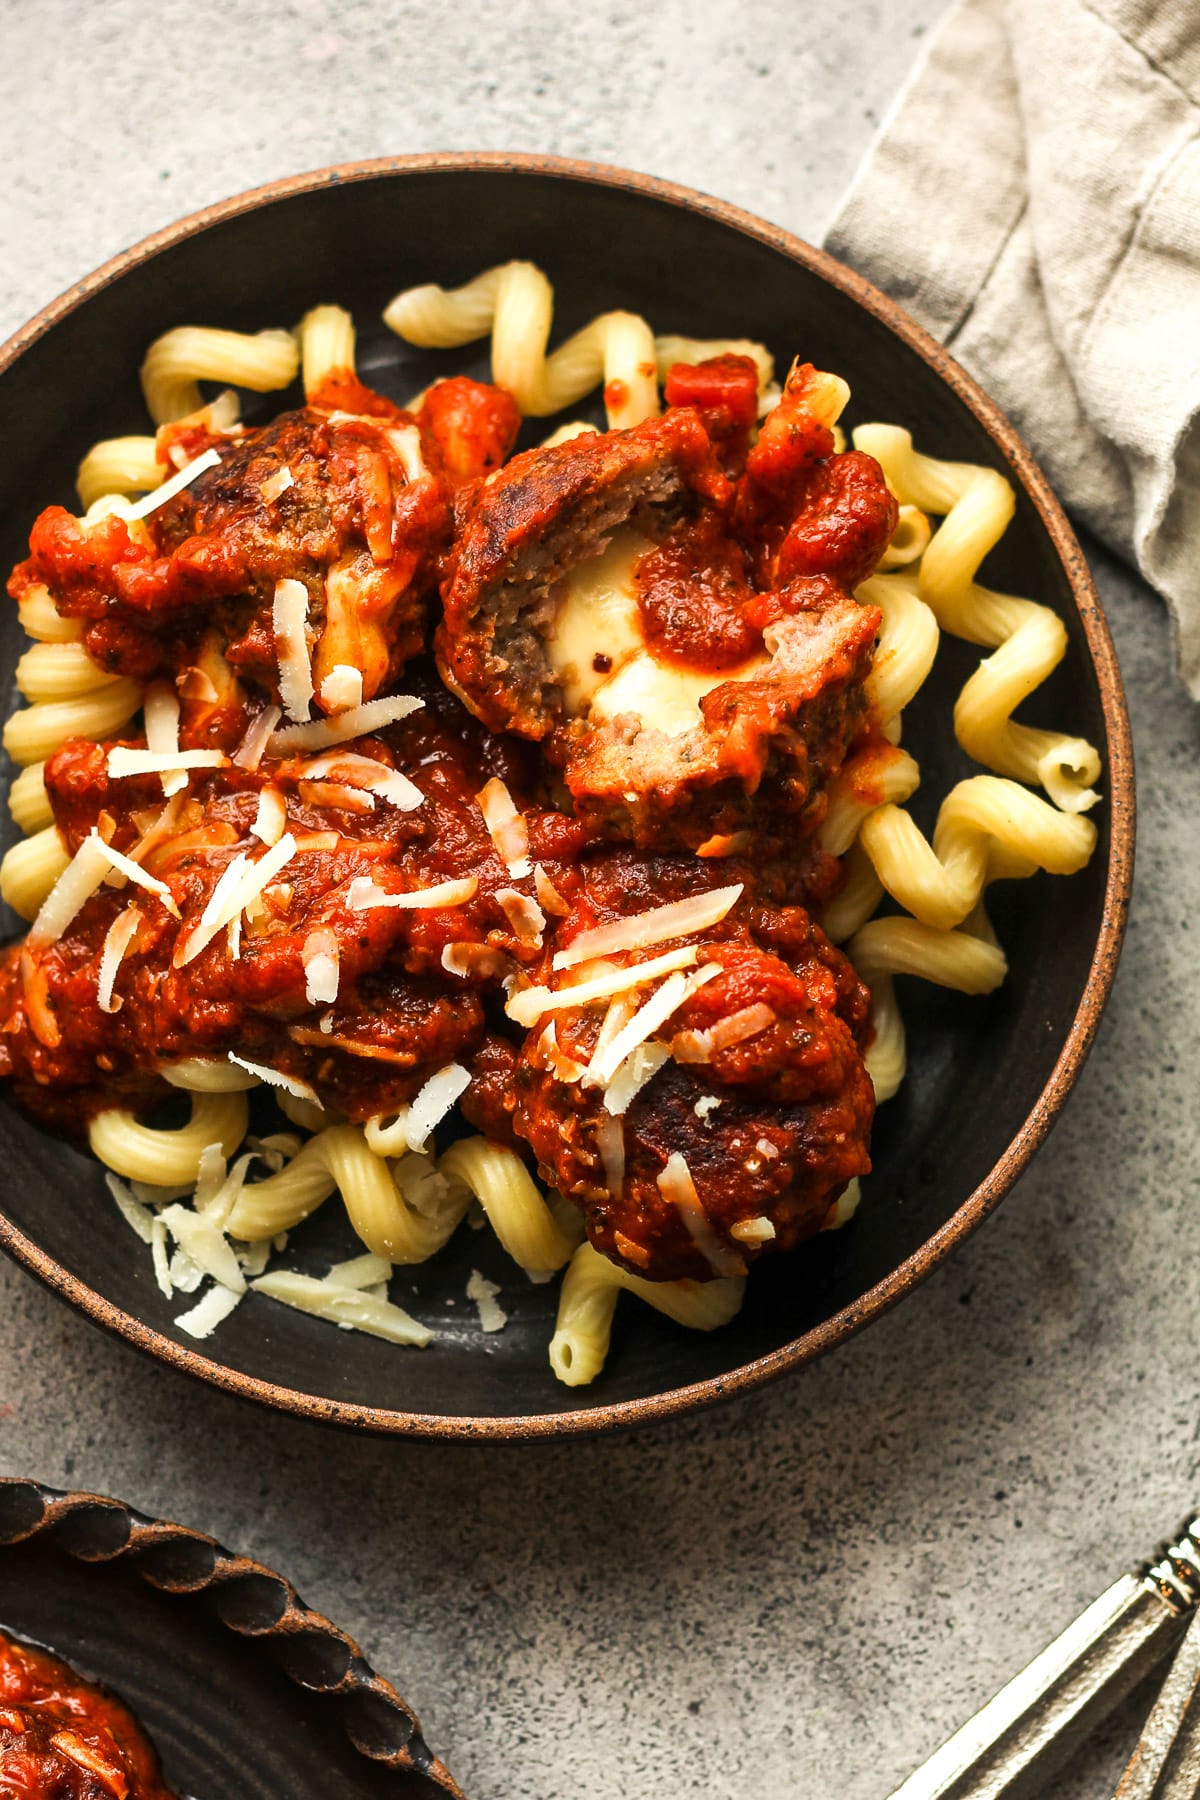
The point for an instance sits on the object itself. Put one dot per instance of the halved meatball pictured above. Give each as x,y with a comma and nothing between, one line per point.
540,516
765,1098
791,714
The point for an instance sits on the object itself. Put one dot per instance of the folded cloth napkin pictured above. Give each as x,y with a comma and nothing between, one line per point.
1033,199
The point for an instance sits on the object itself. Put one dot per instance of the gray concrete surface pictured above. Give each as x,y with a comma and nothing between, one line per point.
801,1594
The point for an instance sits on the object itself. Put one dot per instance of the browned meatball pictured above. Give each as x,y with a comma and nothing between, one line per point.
765,1097
531,523
776,735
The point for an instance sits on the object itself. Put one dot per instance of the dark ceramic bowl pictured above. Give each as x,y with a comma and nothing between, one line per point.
987,1077
247,1693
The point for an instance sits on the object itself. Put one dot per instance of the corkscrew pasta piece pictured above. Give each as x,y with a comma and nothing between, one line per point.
588,1300
208,1075
516,1209
30,869
176,362
884,948
1028,640
28,801
125,465
339,1157
165,1157
986,827
41,619
326,346
515,302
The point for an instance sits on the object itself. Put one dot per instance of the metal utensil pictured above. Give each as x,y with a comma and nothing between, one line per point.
1166,1763
1029,1730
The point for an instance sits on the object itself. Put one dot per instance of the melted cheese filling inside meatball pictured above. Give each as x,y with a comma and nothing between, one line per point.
599,655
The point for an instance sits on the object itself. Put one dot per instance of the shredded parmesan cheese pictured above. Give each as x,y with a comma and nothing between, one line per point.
363,896
706,1104
123,762
432,1102
288,618
124,865
70,893
276,484
506,827
359,721
117,940
676,1185
342,688
364,772
681,918
270,820
610,1141
646,1020
759,1230
202,1319
291,1084
319,956
638,1068
526,1006
348,1307
206,1244
159,496
749,1022
526,917
249,752
242,882
160,711
483,1292
549,898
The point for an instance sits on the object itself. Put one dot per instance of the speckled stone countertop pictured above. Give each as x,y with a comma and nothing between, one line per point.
801,1594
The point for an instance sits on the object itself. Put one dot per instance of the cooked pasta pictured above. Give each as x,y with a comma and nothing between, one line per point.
126,465
600,1029
35,733
168,1157
515,1208
179,360
326,345
1031,639
884,948
587,1302
28,800
515,303
30,869
338,1157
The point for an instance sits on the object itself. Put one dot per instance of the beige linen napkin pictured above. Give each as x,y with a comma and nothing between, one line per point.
1034,200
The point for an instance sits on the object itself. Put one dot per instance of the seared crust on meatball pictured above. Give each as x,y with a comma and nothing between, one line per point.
791,721
772,1123
536,519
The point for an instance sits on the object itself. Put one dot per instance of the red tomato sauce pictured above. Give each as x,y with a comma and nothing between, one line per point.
64,1738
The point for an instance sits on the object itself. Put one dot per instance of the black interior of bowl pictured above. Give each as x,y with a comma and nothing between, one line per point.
976,1066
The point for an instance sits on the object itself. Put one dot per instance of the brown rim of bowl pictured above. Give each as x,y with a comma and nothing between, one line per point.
249,1599
1119,881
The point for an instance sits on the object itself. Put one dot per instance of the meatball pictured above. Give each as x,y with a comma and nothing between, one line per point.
764,1096
544,513
354,505
791,717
